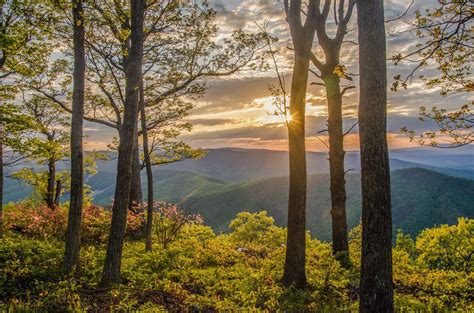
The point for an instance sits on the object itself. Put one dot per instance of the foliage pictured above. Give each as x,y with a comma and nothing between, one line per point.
169,221
435,271
446,33
256,229
454,127
35,221
204,271
446,38
448,247
181,47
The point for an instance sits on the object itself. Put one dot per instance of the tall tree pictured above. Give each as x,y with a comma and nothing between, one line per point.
181,50
73,233
149,174
20,40
302,35
160,146
113,258
376,290
330,72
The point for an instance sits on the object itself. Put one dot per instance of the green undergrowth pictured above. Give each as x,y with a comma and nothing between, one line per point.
241,270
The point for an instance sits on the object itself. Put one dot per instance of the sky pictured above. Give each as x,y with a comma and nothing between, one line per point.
236,111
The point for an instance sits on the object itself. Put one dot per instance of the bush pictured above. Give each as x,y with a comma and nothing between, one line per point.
202,271
448,247
43,222
35,221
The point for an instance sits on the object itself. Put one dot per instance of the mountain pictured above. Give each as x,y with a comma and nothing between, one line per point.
420,199
240,165
233,164
15,190
170,185
228,181
460,158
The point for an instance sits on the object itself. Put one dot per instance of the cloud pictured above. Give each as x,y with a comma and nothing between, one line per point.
234,110
212,121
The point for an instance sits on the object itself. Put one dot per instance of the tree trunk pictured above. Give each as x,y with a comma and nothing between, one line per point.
1,179
113,258
295,259
376,290
51,183
136,196
149,175
340,242
57,193
73,232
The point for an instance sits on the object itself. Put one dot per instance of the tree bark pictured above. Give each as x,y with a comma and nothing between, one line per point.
340,242
302,37
376,290
57,193
136,196
1,179
2,62
51,183
113,258
73,232
149,175
295,273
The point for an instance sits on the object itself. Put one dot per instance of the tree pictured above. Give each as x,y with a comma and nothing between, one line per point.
149,174
21,32
376,290
331,72
73,232
44,141
11,122
455,128
447,43
302,35
163,149
128,133
181,50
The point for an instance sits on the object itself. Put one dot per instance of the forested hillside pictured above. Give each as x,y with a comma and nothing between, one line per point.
442,199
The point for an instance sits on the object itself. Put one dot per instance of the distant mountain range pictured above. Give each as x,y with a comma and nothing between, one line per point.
228,181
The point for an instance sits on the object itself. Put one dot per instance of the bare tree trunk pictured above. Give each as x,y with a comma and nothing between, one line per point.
113,258
57,193
331,46
295,259
51,183
2,62
340,240
1,179
73,232
376,290
136,196
149,175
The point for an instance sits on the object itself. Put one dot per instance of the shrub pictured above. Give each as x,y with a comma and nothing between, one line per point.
43,222
36,221
202,271
169,221
448,247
